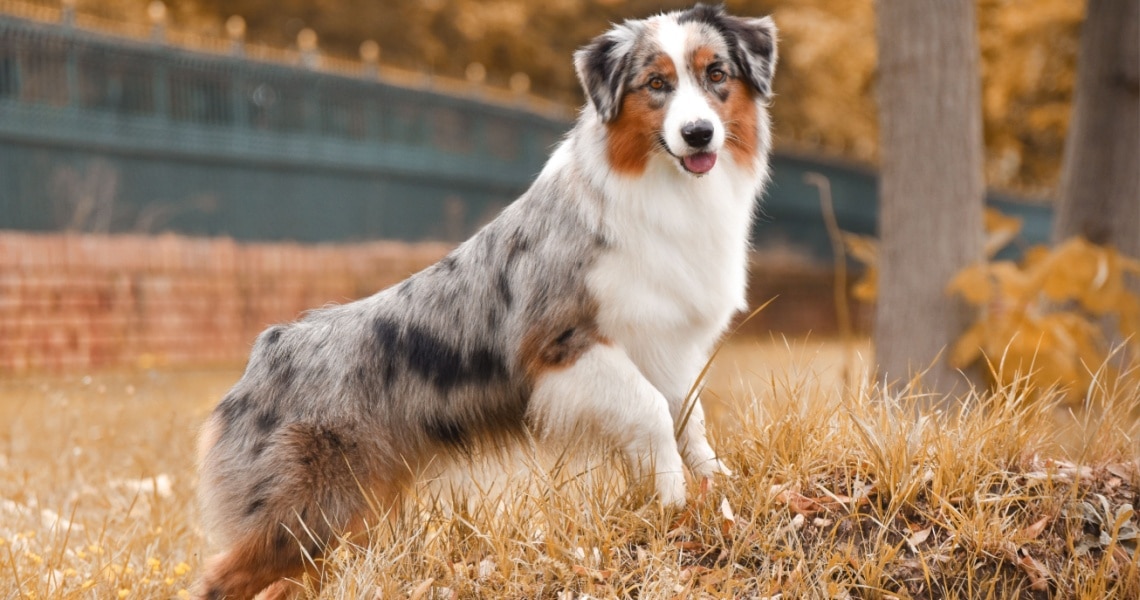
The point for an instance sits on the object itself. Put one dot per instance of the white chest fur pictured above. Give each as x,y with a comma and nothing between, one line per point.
676,270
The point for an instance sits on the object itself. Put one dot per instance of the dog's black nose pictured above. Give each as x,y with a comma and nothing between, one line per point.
697,134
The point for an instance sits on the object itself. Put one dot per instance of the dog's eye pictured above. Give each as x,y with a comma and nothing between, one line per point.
657,83
717,75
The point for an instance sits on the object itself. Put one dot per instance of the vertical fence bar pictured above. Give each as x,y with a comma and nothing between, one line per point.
71,49
238,96
162,90
18,57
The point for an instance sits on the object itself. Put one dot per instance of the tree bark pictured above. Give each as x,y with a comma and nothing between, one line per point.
1099,193
932,187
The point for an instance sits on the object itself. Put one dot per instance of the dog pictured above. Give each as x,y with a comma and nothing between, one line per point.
589,304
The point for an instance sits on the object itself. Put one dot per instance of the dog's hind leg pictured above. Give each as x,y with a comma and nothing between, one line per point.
603,390
243,571
311,486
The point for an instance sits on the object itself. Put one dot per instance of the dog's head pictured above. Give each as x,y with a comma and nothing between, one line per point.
685,84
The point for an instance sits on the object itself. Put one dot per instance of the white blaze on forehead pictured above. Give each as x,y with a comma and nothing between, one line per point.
673,39
689,102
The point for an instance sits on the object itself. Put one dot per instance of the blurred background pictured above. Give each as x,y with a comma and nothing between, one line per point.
176,176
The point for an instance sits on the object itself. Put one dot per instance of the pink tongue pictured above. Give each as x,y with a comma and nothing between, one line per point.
702,162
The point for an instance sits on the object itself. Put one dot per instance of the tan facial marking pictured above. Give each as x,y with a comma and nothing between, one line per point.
700,60
633,134
740,118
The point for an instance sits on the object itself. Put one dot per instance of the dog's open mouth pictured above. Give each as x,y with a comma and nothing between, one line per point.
699,163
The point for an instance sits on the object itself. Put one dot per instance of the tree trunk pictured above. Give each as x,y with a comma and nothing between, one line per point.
932,187
1099,195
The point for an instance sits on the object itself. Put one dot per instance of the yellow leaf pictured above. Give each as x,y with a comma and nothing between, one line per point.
1013,285
1128,311
1103,295
972,284
1000,230
1034,256
1072,269
968,347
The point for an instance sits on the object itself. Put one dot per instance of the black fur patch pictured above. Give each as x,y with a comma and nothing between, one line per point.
517,245
564,336
268,420
234,406
281,367
503,283
255,507
273,334
260,495
282,539
570,343
447,431
333,441
436,361
448,263
389,372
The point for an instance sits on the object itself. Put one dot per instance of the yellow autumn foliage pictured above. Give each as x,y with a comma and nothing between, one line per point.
1046,316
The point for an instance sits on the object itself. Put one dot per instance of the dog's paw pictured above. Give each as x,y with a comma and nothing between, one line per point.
671,489
710,467
719,468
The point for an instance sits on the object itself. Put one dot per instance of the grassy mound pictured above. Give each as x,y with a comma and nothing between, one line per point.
839,491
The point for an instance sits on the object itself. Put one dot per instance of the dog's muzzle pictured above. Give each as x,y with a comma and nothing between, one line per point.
697,135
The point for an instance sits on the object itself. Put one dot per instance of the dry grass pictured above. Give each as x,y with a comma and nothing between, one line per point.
838,492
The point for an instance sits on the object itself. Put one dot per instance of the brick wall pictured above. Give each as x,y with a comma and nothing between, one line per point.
76,301
71,301
802,301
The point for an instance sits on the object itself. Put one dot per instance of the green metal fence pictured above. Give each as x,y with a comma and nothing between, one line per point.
112,134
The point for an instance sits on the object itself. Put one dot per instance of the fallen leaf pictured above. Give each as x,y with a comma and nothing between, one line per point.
1032,531
729,518
798,503
1038,575
916,538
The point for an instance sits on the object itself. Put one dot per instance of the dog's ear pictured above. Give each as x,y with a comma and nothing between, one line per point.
603,68
752,43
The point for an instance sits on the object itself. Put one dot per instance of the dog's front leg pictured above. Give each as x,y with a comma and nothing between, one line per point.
676,382
694,442
604,391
